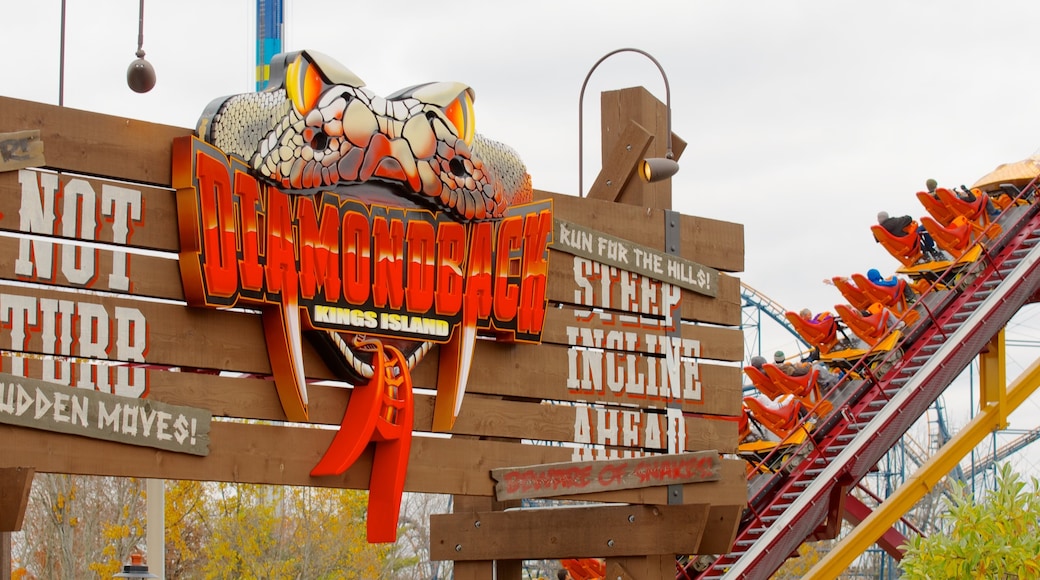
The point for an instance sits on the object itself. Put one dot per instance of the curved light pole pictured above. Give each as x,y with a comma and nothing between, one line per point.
651,169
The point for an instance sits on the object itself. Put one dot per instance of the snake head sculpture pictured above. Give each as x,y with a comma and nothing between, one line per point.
317,128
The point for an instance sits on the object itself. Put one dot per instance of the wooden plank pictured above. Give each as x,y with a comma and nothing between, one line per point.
572,280
650,567
715,243
15,485
96,144
730,490
52,407
620,253
233,341
6,562
556,479
556,373
636,104
616,431
20,149
109,270
281,455
125,149
572,532
621,164
724,520
136,215
716,343
581,282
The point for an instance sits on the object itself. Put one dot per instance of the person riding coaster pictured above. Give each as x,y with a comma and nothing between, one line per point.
822,333
768,425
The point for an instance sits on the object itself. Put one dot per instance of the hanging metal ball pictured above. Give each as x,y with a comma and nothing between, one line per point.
140,75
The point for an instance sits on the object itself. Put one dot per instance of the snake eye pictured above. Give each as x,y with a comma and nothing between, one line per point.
460,114
303,83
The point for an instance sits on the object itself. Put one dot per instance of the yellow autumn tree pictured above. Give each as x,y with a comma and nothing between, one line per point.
291,532
187,506
80,527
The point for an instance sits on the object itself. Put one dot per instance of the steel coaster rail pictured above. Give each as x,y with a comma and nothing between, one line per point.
796,501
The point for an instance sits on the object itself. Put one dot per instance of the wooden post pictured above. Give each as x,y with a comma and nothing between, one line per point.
6,562
15,483
482,569
649,567
617,110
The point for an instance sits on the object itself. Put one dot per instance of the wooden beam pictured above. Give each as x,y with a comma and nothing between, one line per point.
96,144
159,277
275,455
571,532
715,243
6,562
15,484
617,110
650,567
233,341
621,164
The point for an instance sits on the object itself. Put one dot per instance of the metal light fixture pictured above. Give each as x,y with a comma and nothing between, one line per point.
140,75
135,569
652,169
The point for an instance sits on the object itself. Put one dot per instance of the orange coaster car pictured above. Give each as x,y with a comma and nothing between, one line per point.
805,388
905,248
782,422
763,383
852,291
821,331
870,327
892,297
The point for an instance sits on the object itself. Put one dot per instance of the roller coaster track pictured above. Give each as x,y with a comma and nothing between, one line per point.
803,500
1021,442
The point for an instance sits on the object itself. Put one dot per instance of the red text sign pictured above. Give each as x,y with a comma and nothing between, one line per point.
556,479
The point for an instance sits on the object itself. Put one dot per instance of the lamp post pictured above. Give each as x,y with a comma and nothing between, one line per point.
651,169
140,75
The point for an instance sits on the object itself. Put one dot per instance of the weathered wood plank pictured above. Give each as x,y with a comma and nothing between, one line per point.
96,144
481,415
574,532
279,455
621,163
556,479
716,343
15,485
648,262
730,489
636,105
112,271
136,215
50,261
233,341
579,281
89,413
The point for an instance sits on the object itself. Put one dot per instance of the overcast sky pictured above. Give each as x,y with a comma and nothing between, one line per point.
803,118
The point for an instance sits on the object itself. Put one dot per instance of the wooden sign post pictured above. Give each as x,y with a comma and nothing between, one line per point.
625,395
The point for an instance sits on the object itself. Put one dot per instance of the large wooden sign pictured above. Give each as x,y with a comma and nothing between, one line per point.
296,297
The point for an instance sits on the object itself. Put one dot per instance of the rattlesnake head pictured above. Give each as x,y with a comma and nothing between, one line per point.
317,128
